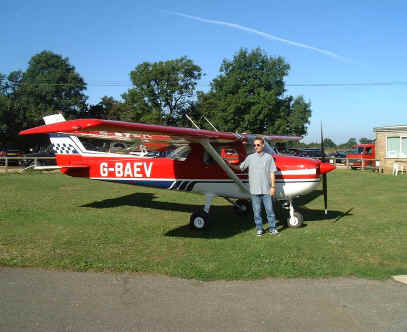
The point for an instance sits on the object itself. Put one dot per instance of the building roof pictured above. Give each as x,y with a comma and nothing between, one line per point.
391,128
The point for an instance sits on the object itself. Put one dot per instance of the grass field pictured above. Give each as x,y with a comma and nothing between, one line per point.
57,222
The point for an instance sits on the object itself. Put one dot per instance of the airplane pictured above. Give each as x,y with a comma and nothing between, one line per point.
197,160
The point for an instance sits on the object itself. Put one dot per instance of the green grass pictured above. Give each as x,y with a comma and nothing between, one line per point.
57,222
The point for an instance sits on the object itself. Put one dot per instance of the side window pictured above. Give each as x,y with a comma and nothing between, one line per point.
368,151
227,153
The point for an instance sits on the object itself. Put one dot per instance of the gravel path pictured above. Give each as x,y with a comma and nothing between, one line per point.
38,300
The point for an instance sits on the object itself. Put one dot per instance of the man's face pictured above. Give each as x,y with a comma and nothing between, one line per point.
258,146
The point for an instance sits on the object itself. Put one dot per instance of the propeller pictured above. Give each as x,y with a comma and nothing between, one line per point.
324,177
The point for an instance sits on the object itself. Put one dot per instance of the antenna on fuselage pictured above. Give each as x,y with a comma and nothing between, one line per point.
192,121
209,122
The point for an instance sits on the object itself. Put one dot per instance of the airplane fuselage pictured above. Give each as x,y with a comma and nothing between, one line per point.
295,176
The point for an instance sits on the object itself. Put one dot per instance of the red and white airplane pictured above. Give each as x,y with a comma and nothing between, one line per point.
195,163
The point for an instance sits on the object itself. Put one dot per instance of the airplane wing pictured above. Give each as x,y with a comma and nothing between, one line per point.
120,130
278,139
129,131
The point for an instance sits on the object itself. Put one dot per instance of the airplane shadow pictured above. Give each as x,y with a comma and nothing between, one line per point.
319,214
146,200
224,222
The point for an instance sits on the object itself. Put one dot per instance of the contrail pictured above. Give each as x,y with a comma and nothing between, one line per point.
263,34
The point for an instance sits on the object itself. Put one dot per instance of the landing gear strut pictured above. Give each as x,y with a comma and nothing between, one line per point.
241,206
200,218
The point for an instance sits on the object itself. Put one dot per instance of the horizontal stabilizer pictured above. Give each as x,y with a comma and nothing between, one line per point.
44,168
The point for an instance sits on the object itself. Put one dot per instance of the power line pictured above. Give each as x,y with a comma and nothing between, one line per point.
348,84
124,84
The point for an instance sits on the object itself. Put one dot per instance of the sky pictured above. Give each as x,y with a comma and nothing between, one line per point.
346,57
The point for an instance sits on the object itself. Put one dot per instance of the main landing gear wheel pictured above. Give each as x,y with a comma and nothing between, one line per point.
199,220
295,221
242,207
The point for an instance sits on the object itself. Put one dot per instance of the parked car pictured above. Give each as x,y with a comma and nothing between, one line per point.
10,153
295,152
41,152
311,153
339,156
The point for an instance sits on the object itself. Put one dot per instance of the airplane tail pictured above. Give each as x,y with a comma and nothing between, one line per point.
63,144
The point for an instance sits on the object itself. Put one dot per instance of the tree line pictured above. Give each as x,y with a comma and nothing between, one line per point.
330,144
248,95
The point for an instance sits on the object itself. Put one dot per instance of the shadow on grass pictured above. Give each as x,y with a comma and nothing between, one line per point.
145,200
224,222
317,215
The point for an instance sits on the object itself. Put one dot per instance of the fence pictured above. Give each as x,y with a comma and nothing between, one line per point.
29,162
362,163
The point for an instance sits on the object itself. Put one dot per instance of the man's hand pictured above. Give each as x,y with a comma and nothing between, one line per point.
272,191
232,166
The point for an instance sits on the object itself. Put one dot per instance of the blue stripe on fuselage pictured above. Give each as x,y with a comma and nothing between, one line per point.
155,184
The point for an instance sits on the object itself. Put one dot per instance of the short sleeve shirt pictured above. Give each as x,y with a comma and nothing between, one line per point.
260,166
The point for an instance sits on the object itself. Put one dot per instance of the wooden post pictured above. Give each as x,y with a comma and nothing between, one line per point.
6,165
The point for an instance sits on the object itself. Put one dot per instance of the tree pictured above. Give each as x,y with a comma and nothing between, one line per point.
365,140
108,108
349,144
248,96
9,106
328,143
162,91
50,84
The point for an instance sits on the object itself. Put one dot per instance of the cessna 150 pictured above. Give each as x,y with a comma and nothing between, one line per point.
195,163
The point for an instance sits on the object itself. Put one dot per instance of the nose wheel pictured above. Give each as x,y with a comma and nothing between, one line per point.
295,219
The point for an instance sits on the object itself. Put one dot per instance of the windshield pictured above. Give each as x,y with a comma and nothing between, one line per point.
180,153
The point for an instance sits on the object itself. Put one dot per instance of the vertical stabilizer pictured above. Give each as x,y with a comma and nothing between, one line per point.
61,143
54,118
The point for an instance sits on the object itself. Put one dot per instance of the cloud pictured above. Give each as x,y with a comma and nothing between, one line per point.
263,34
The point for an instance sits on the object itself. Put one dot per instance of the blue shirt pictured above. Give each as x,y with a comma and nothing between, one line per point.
260,166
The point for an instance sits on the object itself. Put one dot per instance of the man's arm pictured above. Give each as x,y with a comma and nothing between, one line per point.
273,183
272,169
240,167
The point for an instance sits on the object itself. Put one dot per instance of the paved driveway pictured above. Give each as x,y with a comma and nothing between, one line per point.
38,300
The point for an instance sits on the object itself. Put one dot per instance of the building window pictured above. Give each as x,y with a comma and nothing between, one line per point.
396,147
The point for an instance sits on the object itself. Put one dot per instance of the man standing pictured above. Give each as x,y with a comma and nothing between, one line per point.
262,184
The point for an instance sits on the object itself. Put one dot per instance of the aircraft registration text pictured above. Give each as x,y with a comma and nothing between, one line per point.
129,169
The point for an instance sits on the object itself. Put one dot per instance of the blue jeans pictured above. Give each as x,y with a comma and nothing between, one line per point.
268,205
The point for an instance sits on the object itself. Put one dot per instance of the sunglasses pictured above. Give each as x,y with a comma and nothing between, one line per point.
257,145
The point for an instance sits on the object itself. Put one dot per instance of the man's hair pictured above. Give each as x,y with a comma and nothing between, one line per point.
259,138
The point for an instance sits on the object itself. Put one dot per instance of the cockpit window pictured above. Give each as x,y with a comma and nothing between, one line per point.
99,145
92,144
180,153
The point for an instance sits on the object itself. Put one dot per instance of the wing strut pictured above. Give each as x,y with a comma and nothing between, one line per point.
212,152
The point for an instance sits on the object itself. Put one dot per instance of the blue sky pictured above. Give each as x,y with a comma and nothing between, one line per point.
327,42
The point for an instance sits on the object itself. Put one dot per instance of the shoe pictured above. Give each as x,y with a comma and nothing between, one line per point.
260,232
274,231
